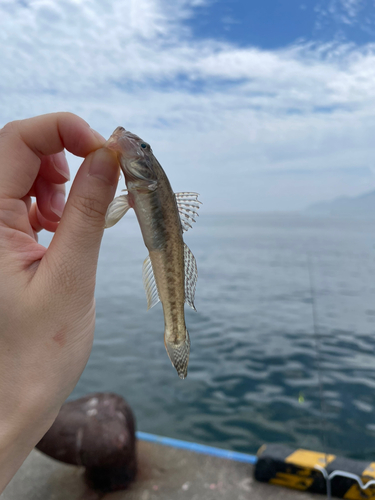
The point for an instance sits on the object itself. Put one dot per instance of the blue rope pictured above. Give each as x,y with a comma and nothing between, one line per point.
198,448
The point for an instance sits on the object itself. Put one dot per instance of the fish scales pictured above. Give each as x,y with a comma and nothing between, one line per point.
162,216
160,224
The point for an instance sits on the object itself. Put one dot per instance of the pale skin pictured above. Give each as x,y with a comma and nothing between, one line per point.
47,308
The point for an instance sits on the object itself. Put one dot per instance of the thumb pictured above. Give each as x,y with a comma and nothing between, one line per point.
73,252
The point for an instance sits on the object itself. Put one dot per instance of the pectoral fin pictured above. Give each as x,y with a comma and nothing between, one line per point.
187,204
191,276
116,210
150,284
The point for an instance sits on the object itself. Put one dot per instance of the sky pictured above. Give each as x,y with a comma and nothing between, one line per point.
258,106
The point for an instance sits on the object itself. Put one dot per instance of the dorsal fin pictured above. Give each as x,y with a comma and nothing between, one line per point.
188,204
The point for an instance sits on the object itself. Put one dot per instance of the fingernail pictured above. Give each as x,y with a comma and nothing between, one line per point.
104,166
58,203
97,135
60,164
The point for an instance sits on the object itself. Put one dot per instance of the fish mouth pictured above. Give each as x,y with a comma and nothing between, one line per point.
124,142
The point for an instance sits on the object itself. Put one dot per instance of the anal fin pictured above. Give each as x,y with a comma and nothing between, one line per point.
150,283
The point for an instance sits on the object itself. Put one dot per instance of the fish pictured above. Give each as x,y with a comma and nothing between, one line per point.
170,271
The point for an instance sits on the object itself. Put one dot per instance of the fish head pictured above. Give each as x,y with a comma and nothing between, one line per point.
135,156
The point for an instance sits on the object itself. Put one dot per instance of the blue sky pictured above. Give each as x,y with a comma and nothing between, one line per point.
256,105
271,24
253,23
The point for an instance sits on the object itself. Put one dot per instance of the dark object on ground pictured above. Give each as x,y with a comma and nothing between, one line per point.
280,465
98,432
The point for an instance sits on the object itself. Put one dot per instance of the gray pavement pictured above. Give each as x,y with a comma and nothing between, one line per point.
165,473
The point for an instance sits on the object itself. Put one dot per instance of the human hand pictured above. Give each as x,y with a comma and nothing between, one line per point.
47,308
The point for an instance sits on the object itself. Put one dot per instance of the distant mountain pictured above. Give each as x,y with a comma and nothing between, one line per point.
357,206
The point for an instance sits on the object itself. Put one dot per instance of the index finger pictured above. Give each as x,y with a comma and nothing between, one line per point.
23,143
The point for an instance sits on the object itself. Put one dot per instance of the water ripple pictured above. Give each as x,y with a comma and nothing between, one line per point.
253,368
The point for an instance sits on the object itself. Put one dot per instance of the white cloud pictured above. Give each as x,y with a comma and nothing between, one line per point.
346,13
352,7
233,123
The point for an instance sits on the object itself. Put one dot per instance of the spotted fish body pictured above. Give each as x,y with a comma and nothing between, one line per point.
169,272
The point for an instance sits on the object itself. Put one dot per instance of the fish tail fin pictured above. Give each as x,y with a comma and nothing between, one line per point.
178,353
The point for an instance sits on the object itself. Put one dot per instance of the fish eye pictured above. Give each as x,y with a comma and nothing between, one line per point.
143,145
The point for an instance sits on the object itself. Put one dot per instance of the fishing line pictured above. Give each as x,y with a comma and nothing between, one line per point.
327,476
323,421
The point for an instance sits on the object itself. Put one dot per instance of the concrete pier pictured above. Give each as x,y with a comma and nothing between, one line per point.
165,473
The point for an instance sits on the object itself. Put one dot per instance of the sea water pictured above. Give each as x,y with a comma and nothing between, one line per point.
260,370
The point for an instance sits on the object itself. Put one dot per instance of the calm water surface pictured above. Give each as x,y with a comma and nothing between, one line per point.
253,372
